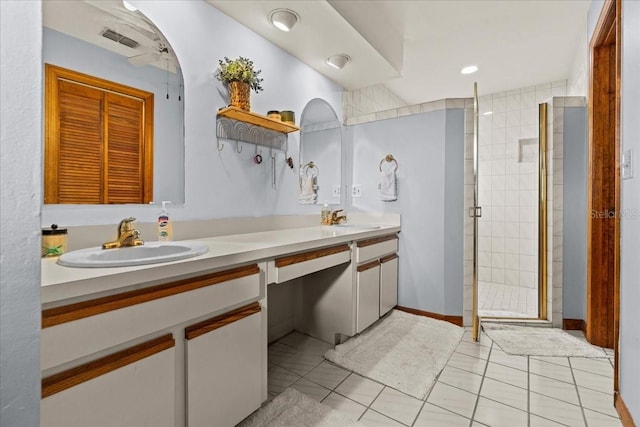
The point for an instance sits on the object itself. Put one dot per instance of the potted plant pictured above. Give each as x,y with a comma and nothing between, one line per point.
239,76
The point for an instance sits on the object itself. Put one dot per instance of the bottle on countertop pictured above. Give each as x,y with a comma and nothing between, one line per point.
324,214
165,230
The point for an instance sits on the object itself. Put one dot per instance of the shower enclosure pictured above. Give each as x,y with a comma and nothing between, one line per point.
510,182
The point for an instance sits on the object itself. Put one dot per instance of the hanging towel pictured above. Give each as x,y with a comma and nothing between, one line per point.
388,183
307,194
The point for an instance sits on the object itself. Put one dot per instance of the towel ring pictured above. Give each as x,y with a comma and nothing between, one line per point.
308,168
388,158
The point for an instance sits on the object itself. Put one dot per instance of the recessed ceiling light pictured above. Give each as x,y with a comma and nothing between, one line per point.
129,6
284,19
469,70
338,61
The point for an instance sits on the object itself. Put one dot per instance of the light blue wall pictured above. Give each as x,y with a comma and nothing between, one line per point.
630,220
21,178
226,183
430,199
574,221
168,148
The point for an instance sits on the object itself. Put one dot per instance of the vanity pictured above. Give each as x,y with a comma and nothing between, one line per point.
185,342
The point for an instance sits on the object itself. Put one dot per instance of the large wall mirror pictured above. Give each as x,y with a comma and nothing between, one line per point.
320,154
107,41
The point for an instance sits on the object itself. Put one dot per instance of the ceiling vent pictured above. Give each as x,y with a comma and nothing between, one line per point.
119,38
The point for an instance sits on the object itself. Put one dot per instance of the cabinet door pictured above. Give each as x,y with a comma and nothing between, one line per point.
368,295
134,387
388,283
224,368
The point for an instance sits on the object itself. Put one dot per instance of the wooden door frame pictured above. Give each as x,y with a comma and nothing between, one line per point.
607,35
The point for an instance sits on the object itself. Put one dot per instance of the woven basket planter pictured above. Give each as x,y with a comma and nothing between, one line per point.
239,95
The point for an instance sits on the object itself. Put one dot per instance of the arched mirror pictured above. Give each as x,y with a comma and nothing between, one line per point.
320,154
114,106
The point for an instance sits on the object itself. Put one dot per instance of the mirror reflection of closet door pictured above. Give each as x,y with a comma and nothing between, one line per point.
475,212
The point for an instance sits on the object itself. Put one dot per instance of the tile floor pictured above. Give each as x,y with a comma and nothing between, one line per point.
480,386
498,300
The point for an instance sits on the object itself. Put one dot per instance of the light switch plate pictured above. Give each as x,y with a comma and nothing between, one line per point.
336,190
356,190
627,164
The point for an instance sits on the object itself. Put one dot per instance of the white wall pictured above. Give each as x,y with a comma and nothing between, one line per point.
430,189
221,184
630,222
21,177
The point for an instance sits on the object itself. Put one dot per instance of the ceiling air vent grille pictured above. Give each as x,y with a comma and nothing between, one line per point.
119,38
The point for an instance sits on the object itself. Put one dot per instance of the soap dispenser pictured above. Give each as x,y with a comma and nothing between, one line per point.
325,214
165,230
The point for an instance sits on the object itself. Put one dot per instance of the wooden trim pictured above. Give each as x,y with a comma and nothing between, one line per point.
375,240
88,371
368,266
456,320
308,256
388,258
214,323
574,325
71,312
623,411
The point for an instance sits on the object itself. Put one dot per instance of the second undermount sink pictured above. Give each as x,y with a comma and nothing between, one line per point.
149,253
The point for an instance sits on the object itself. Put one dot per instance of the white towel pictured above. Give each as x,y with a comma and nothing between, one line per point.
388,184
307,194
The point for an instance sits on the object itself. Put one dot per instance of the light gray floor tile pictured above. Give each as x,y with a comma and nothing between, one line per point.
396,405
461,379
278,379
313,390
601,420
346,406
372,418
360,389
593,381
504,393
592,365
597,401
556,410
327,375
508,375
536,421
562,361
552,388
301,362
498,415
468,363
278,351
499,356
455,400
431,415
473,349
550,370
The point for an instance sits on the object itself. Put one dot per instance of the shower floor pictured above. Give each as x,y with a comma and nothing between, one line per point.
498,300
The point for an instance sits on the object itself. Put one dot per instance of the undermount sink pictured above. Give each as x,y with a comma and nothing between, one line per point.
149,253
357,226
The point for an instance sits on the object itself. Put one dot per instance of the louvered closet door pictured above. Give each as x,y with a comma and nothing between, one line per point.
79,156
125,149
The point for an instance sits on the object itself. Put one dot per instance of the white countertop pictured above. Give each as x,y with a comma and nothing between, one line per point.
63,283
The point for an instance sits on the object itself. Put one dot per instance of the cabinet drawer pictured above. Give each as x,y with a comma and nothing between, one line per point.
80,329
224,368
376,247
133,387
293,266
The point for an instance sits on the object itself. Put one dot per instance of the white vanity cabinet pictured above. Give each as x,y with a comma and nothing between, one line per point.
376,279
103,365
224,363
132,387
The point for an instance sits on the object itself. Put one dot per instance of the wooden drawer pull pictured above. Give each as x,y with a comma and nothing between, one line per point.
214,323
88,371
68,313
388,258
375,240
307,256
368,266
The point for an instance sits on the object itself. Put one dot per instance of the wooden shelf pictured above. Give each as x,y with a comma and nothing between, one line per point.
256,119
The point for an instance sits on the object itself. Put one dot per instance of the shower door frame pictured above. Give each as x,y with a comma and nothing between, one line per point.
476,211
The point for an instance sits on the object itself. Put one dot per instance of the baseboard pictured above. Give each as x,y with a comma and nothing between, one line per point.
623,411
456,320
574,325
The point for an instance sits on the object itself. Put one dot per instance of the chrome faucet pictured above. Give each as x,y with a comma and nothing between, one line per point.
127,235
334,218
